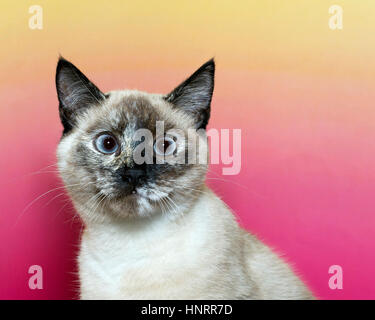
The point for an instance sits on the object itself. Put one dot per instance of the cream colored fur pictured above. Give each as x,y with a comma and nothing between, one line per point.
202,254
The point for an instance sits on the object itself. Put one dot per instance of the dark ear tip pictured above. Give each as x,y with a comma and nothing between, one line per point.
209,65
61,63
62,67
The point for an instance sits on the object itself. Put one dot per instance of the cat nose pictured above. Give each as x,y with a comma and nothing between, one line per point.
133,176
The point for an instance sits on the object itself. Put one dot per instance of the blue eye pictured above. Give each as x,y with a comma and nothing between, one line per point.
106,143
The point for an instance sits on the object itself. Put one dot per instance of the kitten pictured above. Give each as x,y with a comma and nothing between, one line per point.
155,230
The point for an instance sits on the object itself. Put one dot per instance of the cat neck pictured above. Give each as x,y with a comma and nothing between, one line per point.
125,234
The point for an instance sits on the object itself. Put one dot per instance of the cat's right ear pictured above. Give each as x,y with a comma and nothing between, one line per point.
75,92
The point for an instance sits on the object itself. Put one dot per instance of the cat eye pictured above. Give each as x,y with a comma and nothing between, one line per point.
165,146
106,143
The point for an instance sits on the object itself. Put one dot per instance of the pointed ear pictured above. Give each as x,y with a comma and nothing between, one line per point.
195,93
75,92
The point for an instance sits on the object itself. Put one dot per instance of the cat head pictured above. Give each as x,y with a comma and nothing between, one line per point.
129,153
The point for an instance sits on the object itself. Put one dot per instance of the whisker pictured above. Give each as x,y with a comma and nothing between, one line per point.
43,195
174,205
163,206
170,208
55,197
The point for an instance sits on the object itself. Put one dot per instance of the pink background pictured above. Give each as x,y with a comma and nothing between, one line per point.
305,107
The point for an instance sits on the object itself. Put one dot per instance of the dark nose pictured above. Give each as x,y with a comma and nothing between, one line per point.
133,176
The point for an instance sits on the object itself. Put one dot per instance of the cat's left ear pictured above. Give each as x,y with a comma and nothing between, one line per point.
195,93
75,92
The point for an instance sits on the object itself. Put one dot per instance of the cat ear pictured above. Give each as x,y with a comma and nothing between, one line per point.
75,92
195,93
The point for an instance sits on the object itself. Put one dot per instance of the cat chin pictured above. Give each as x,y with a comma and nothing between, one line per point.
147,201
129,206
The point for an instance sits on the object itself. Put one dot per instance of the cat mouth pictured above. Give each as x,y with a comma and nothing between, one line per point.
132,194
129,194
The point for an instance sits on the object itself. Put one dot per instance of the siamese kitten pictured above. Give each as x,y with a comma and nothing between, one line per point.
155,230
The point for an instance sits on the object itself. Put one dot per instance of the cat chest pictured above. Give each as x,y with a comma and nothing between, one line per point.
141,270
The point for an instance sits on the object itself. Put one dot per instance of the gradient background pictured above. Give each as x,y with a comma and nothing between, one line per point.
301,93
